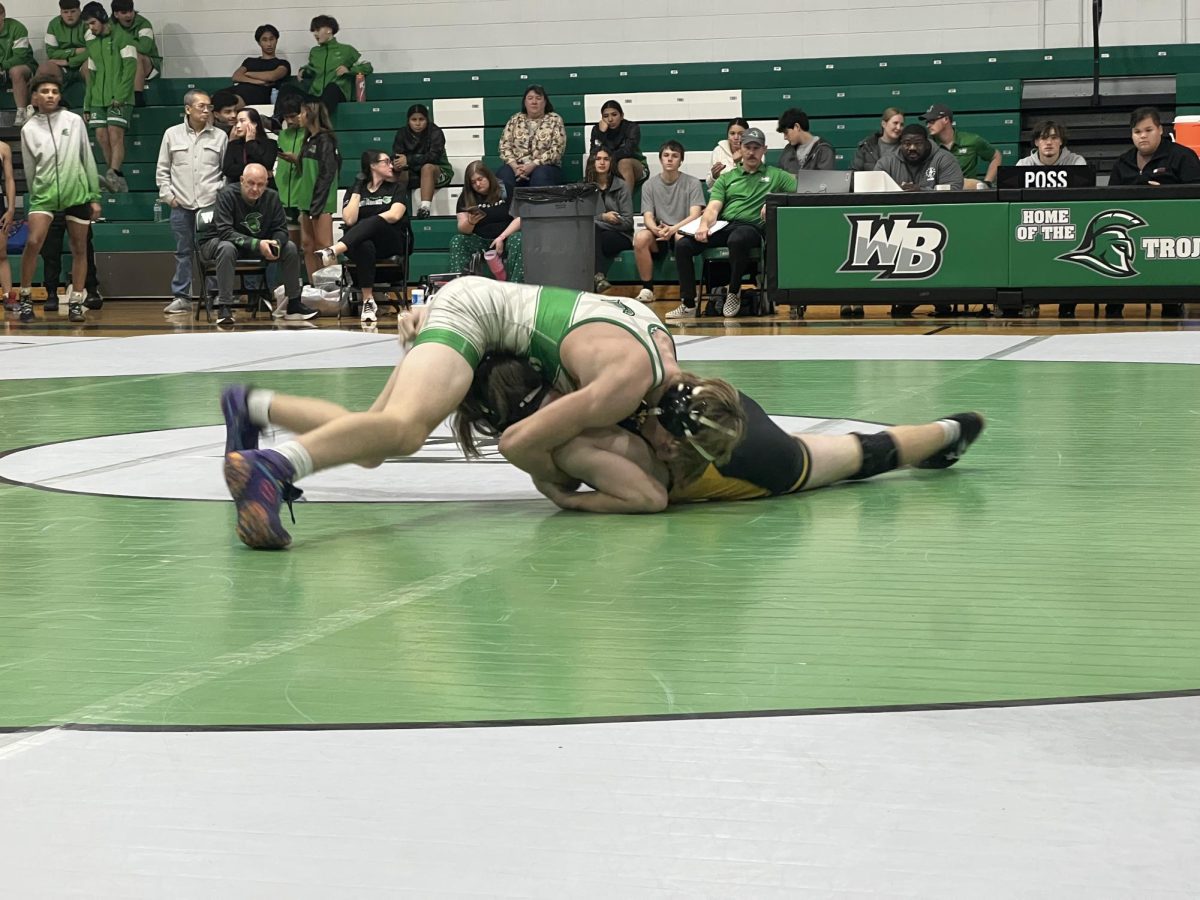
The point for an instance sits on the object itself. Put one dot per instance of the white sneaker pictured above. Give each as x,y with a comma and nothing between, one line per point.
21,117
645,295
682,311
327,257
280,309
370,311
178,305
733,305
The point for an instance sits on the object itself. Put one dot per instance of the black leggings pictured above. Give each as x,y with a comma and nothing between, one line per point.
370,240
609,244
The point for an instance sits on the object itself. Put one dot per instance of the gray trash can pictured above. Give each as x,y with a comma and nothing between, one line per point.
558,234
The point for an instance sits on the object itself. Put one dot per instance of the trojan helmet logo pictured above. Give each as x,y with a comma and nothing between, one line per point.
1107,247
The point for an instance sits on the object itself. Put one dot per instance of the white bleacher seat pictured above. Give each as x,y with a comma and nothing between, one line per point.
668,106
466,142
459,112
444,201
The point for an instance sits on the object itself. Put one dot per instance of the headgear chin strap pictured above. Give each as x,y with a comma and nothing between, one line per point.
682,417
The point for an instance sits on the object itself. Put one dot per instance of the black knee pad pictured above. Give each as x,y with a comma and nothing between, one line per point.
879,454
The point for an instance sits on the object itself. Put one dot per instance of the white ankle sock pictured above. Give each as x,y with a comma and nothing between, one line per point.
294,452
952,430
258,406
425,204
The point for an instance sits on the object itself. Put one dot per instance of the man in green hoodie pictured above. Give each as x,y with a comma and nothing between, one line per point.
141,32
331,66
108,100
17,62
66,45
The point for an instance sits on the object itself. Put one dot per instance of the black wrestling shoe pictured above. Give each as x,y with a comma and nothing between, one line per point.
971,426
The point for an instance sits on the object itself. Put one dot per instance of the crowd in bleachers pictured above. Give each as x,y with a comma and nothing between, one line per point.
282,122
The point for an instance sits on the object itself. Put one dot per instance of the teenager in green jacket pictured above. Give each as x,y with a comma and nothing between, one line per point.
17,62
66,45
141,32
331,66
290,179
108,100
320,166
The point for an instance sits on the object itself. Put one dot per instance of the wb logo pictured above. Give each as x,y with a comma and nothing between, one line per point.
898,245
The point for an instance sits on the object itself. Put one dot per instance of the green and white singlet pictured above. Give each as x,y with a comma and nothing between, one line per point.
476,315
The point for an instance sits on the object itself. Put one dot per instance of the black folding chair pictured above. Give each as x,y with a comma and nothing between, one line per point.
391,278
257,293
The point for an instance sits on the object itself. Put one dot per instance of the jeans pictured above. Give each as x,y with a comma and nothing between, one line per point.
539,177
183,224
225,256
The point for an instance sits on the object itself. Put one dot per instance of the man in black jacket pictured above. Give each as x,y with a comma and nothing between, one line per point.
1152,160
248,221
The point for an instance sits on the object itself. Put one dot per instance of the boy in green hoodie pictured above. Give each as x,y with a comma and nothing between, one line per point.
108,100
16,61
331,66
141,32
66,45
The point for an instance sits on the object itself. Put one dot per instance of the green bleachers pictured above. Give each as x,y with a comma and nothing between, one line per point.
119,237
843,96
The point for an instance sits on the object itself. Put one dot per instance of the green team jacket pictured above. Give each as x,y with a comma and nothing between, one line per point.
294,183
62,40
59,166
141,32
323,62
15,49
112,59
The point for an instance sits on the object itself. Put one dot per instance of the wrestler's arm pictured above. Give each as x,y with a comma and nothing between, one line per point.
528,445
621,484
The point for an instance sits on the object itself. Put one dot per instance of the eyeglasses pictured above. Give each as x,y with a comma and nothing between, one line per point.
203,107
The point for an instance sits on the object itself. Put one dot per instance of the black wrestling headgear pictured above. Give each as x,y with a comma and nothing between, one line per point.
683,416
535,389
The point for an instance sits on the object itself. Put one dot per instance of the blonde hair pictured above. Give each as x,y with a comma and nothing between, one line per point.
717,405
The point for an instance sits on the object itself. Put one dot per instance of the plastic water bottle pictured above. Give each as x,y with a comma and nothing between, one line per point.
158,210
417,297
496,264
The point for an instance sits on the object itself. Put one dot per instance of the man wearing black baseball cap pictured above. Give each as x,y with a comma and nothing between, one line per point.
738,198
974,154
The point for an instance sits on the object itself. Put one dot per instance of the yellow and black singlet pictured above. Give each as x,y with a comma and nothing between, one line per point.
766,463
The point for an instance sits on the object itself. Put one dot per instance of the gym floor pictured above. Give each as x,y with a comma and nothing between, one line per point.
980,682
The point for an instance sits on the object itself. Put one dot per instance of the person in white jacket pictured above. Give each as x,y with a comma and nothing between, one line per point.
728,153
61,173
1050,147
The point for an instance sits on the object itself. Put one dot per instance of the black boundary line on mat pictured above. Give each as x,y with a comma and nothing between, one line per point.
607,720
57,490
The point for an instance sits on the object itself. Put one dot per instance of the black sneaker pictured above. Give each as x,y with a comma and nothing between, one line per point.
971,426
51,304
297,312
25,306
224,315
75,312
94,300
423,212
